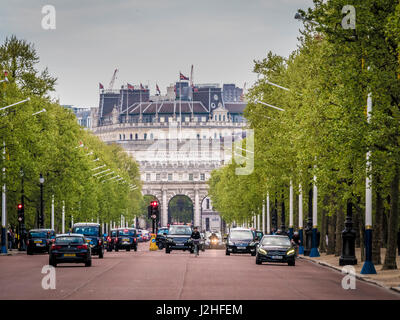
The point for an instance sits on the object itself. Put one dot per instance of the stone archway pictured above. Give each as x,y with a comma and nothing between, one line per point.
179,210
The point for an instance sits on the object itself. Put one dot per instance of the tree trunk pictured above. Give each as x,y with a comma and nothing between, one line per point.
356,226
339,229
377,230
385,224
331,234
390,257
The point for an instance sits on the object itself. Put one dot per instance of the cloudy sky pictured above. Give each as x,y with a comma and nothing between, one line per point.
150,41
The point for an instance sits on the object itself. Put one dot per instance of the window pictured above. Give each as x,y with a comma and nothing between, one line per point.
198,136
145,136
147,176
120,137
158,177
131,136
219,117
208,203
124,136
136,136
190,176
169,176
224,117
151,136
202,176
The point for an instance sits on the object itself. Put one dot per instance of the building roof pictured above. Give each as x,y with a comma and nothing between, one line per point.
235,107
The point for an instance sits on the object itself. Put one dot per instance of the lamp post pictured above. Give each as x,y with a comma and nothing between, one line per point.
22,231
308,228
301,246
315,234
283,227
41,218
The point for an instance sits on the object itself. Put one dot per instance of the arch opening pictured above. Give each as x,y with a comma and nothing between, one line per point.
180,210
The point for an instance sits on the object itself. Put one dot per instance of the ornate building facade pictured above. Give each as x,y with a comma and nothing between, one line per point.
177,143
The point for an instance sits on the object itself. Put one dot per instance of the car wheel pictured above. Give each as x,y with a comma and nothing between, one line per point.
160,246
29,252
88,263
167,250
101,254
109,249
227,253
116,249
52,262
253,254
258,261
128,249
291,263
135,248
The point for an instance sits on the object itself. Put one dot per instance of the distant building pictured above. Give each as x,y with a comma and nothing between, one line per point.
83,115
231,93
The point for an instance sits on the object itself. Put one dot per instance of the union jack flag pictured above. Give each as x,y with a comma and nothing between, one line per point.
182,77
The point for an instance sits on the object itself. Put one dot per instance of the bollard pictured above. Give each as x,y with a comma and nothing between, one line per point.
153,244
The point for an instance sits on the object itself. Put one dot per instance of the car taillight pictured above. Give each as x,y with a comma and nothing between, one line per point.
55,247
108,239
99,241
84,246
134,239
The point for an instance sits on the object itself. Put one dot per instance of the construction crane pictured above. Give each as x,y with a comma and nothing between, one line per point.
243,92
191,76
111,85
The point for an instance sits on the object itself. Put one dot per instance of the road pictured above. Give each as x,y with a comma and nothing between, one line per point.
155,275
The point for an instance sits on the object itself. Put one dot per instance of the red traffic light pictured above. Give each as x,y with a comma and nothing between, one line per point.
154,204
20,206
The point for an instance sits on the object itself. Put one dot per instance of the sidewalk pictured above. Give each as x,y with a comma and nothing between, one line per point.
12,252
385,278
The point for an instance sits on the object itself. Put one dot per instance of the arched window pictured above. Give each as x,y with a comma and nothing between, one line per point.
145,136
151,136
131,136
219,117
136,136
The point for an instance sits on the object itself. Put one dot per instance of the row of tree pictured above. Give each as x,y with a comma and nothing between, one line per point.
52,143
323,134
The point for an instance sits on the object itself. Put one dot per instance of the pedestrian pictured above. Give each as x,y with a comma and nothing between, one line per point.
10,237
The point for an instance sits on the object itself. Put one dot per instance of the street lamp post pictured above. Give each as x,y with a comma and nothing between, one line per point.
22,231
315,234
301,246
348,237
41,219
283,227
308,228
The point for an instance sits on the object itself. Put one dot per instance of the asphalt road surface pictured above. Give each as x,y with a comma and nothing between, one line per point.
180,275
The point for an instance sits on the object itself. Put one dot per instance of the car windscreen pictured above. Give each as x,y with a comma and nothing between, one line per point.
276,241
162,231
126,232
38,234
113,233
180,230
87,231
69,240
241,235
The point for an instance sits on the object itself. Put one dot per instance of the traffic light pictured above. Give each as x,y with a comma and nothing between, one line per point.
20,208
152,210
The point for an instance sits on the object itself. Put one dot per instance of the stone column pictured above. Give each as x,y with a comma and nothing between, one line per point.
164,211
196,208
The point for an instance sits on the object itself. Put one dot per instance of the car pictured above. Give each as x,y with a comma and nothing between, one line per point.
146,235
160,237
139,235
93,236
110,244
240,240
39,240
178,238
276,248
126,239
258,234
70,248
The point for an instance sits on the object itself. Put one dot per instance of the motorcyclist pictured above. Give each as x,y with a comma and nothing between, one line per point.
295,241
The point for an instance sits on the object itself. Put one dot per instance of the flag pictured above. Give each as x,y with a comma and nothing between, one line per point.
141,87
101,86
182,77
130,87
158,89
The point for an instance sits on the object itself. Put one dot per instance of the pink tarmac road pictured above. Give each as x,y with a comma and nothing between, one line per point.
149,275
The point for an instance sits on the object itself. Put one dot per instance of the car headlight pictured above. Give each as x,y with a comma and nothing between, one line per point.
290,252
262,251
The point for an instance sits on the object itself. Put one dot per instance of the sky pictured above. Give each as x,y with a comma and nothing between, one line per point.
151,41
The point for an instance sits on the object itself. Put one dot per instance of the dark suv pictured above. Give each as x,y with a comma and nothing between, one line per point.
40,240
93,236
241,240
126,239
178,238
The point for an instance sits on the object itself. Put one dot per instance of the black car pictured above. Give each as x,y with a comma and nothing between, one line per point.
70,248
241,240
110,245
178,238
93,236
39,240
126,239
276,248
160,237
